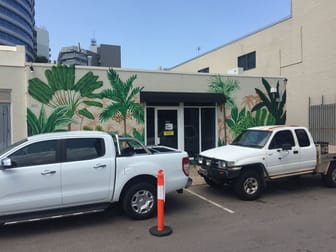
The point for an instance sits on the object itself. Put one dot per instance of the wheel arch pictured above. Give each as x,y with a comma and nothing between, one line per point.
332,165
259,167
329,178
140,178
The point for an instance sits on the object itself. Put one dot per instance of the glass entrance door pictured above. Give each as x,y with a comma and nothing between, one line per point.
167,129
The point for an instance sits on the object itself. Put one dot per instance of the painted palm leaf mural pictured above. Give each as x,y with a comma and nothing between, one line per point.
57,121
62,90
122,96
217,85
243,119
272,102
256,110
239,120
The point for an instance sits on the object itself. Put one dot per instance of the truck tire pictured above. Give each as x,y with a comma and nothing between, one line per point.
139,200
249,185
330,178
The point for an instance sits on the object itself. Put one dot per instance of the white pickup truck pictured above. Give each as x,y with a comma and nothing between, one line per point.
66,173
265,153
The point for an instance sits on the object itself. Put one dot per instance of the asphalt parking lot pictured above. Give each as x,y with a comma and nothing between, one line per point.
292,215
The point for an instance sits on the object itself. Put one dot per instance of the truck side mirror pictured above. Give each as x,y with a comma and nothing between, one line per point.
6,163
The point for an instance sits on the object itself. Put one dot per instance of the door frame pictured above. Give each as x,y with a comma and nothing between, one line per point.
180,121
180,135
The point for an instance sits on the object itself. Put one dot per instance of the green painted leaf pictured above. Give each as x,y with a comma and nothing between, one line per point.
139,135
234,113
87,84
55,122
32,123
230,123
267,87
61,77
93,103
86,113
42,118
40,91
108,113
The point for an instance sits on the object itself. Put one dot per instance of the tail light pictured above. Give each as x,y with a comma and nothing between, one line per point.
185,166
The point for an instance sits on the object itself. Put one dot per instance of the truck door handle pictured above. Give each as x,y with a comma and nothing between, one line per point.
99,166
296,152
47,172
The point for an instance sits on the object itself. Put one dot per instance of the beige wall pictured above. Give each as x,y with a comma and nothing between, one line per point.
300,48
15,76
160,81
13,88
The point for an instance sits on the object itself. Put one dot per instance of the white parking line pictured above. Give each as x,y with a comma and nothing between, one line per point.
210,201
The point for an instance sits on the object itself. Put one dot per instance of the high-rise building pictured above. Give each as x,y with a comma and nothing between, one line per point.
101,55
109,55
73,55
17,21
42,42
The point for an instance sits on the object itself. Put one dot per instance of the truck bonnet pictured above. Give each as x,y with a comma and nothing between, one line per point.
232,153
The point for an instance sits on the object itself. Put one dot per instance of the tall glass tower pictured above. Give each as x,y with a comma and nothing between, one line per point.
17,21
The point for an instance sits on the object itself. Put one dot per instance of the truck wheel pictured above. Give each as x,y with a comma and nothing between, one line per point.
330,179
139,201
249,185
212,183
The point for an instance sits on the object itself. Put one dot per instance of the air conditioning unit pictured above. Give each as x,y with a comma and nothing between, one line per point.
236,70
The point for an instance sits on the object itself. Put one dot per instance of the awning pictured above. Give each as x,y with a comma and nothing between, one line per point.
176,97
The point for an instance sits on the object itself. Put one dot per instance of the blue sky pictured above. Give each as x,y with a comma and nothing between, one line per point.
155,33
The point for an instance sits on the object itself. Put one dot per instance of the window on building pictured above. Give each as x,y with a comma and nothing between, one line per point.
247,61
204,70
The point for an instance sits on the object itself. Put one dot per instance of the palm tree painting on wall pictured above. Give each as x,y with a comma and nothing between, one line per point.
272,102
61,90
57,121
256,110
69,101
123,105
217,85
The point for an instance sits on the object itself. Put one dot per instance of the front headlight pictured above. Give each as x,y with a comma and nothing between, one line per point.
200,160
225,164
208,162
222,164
230,163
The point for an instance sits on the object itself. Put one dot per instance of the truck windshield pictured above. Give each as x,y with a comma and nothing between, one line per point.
252,138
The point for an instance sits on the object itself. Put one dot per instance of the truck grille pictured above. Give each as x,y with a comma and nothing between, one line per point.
208,162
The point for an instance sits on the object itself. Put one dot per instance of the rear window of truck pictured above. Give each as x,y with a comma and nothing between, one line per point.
78,149
302,137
